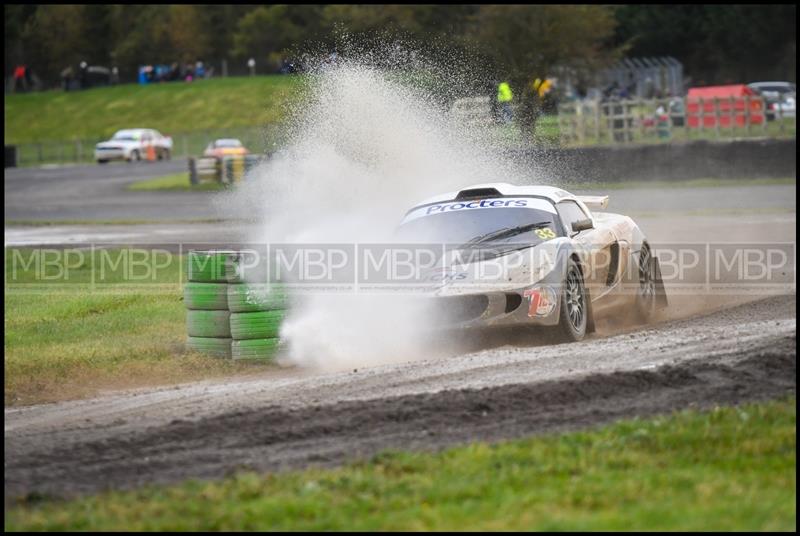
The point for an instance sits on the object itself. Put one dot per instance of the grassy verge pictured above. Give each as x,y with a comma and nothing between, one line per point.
726,469
171,108
55,223
80,322
177,182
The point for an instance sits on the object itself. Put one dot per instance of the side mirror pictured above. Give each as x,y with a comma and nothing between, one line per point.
582,225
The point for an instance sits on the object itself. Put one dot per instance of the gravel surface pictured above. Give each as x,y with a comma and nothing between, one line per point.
291,419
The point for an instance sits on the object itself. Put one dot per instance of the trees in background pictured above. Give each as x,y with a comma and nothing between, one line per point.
530,41
716,43
265,32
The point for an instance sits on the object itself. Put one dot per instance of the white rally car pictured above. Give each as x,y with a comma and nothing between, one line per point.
133,145
533,255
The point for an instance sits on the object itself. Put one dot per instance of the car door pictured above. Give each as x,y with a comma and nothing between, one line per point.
599,246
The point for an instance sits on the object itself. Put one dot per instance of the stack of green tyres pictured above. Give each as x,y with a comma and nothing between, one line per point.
228,317
257,311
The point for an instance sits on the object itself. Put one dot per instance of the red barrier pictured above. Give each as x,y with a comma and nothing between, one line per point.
735,105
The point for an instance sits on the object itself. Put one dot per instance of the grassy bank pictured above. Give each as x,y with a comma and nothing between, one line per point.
58,223
216,104
726,469
87,321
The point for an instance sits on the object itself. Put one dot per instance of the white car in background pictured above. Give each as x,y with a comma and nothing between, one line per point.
778,96
787,107
133,145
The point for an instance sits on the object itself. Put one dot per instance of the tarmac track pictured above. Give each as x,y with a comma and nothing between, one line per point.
97,192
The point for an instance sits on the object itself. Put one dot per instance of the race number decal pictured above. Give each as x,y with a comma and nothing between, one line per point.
545,233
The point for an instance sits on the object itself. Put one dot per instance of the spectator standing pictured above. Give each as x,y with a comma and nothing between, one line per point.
504,98
20,82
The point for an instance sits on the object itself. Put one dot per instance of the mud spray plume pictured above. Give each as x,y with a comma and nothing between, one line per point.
370,138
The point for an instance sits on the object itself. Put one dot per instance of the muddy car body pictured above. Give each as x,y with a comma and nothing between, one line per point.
533,255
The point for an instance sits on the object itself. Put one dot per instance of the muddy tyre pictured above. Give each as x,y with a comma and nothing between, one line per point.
574,313
646,298
210,346
205,296
255,349
246,297
208,266
208,324
257,325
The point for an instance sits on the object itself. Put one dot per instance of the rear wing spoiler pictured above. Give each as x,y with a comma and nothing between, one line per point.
594,201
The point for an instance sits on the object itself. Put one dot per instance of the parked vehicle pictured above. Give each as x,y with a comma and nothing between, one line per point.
774,94
133,145
787,106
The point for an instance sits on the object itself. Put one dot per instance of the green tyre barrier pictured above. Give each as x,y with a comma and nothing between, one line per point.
210,345
206,296
208,266
208,323
248,297
255,349
258,325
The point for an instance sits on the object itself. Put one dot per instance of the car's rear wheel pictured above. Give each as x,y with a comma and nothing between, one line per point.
646,291
102,161
574,314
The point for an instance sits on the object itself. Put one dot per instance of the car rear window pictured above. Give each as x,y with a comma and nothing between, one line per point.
126,136
228,143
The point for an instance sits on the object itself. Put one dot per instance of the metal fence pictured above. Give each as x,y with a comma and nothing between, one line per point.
645,76
257,139
654,120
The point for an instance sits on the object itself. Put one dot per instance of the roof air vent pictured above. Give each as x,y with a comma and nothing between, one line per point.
478,193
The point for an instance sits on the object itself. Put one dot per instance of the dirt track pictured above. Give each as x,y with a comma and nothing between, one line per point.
289,419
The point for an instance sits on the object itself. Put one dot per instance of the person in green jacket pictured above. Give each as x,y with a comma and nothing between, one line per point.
504,98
